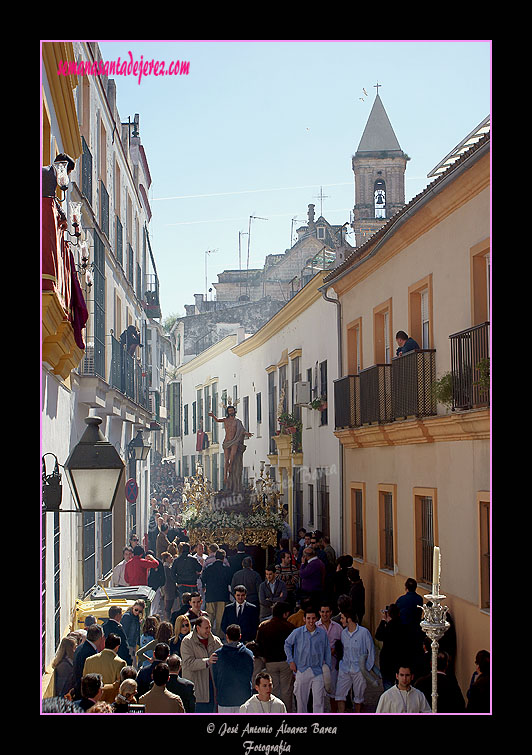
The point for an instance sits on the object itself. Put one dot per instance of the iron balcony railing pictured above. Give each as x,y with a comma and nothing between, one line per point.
126,375
413,376
387,392
376,394
470,367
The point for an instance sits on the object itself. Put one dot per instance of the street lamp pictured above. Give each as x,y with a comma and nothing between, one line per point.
138,451
94,470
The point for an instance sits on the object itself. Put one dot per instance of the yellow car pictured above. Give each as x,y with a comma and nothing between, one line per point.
100,599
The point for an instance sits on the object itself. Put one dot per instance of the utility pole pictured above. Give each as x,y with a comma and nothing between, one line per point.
251,217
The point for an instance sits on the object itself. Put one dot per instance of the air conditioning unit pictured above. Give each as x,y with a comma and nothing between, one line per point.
302,393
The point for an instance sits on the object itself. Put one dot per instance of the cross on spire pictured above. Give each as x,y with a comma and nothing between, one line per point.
377,85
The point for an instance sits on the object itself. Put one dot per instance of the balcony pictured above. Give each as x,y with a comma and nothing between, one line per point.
384,393
470,367
126,375
64,312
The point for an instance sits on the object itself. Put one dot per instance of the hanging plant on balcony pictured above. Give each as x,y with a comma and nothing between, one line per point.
483,370
289,423
319,403
442,390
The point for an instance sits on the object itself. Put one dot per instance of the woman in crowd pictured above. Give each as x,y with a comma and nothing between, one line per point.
63,666
182,627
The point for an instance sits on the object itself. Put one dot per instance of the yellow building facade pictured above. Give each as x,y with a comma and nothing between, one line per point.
416,466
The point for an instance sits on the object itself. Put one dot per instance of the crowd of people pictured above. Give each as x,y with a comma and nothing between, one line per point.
220,637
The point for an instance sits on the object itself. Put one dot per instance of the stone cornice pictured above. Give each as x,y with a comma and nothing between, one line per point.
469,425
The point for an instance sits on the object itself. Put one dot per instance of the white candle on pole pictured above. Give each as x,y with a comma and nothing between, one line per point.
436,563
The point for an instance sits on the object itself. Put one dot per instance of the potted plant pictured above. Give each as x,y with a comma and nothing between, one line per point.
319,403
288,422
442,390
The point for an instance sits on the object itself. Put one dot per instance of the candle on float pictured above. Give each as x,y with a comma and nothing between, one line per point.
436,566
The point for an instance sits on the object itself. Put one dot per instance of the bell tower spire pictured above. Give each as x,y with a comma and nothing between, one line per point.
379,165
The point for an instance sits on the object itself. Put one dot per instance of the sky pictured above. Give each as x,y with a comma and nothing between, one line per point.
261,128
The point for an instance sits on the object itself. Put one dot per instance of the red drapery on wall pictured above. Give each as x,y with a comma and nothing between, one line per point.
59,270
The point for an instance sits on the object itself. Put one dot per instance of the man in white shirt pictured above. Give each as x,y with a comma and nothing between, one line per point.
263,701
334,633
358,648
118,580
403,698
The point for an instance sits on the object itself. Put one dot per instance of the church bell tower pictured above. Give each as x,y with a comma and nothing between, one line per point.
379,165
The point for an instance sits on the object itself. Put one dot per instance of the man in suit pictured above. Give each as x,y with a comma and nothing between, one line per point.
113,626
272,590
159,699
180,686
94,642
216,579
108,665
243,613
236,561
145,674
248,577
91,690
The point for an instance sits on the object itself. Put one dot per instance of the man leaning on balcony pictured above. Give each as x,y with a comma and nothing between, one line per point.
404,343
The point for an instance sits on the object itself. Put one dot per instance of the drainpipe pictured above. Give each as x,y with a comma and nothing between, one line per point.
340,446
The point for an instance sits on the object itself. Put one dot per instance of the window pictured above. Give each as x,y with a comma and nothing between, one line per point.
321,232
296,377
89,550
382,330
214,409
207,400
185,419
214,470
199,405
272,409
194,417
322,508
480,282
57,582
379,194
354,347
425,532
298,500
245,418
323,391
185,466
107,542
420,312
387,496
357,520
283,387
259,411
485,572
311,504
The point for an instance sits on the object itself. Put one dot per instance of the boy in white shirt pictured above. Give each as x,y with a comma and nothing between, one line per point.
263,701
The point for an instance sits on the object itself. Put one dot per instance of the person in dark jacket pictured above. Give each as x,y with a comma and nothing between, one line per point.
145,675
232,672
404,343
478,694
357,593
396,641
180,686
450,698
131,625
113,626
186,570
91,688
242,612
235,561
216,579
94,643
